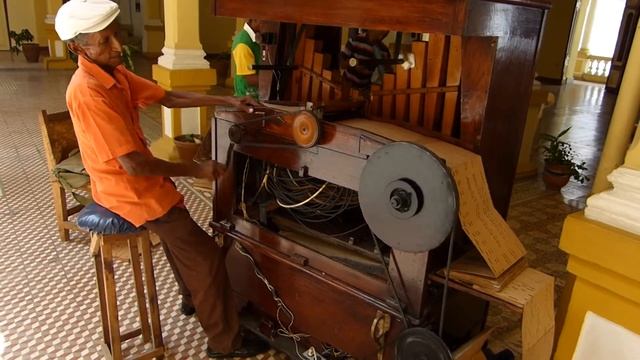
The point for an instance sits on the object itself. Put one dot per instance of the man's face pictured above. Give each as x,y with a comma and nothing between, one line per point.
103,47
256,25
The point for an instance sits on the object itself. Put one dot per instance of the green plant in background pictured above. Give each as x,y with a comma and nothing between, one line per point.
559,152
128,52
24,36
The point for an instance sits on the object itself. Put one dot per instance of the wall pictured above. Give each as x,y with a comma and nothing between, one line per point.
40,7
22,16
4,36
553,49
215,31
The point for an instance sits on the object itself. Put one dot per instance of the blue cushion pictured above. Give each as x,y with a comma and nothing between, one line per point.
99,219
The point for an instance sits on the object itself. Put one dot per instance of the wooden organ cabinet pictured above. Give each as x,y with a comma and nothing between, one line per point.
291,200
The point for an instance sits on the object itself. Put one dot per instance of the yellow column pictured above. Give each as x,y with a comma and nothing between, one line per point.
623,119
588,26
182,67
583,53
577,36
604,260
632,160
153,14
4,35
58,53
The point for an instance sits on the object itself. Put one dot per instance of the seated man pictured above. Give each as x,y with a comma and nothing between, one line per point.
103,99
245,51
358,59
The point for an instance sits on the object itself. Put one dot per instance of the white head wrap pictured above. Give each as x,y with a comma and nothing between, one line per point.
84,16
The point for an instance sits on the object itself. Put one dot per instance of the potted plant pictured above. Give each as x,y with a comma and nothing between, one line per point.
560,162
187,146
23,42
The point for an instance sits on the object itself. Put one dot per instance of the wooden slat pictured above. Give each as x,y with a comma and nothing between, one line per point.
416,106
307,62
296,77
402,100
454,71
374,108
388,83
328,92
320,61
150,281
111,299
435,59
134,256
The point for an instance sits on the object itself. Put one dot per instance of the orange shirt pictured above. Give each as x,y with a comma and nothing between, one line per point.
104,110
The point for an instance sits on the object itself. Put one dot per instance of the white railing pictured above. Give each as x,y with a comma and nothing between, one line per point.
596,68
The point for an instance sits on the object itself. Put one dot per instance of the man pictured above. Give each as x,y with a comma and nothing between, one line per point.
358,58
103,99
245,50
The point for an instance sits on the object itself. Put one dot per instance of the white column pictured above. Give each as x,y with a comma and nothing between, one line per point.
588,26
620,207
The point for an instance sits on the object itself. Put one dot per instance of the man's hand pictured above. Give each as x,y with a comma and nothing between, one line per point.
245,103
209,170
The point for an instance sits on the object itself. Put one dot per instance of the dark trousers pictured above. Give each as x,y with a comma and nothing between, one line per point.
198,265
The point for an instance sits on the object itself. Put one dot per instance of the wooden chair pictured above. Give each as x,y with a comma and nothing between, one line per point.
59,140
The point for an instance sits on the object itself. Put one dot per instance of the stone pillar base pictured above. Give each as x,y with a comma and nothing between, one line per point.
619,207
188,120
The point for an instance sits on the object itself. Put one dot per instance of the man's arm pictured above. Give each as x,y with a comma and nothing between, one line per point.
183,99
139,164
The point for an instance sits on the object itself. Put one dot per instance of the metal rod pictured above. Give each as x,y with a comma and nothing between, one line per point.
446,280
395,291
396,51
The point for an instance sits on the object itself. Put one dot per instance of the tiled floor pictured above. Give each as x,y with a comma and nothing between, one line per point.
48,307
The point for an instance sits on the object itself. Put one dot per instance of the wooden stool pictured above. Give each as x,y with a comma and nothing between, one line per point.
102,246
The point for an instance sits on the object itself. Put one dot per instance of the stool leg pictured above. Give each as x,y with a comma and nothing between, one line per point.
140,297
112,300
97,260
151,290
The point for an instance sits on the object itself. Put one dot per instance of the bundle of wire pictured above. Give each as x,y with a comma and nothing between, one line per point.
309,199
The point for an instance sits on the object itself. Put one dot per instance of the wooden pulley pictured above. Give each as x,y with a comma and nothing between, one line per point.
305,129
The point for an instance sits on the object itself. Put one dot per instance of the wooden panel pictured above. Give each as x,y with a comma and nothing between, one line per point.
417,74
328,92
435,60
510,89
454,71
402,100
443,16
388,83
350,311
320,61
310,47
477,68
376,103
296,77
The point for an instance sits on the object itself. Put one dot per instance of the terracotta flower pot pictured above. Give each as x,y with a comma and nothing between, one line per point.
556,176
187,146
31,52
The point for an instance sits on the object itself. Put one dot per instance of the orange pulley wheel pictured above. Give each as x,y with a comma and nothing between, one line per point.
306,129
